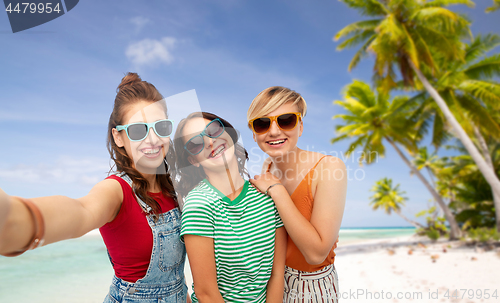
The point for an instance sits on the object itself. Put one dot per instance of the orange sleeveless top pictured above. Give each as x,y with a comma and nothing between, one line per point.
304,201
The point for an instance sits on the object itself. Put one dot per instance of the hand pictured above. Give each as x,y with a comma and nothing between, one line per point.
262,182
4,208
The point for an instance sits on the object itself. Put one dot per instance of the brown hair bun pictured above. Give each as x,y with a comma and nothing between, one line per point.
129,80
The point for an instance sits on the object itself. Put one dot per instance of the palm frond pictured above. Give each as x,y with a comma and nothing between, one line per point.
351,129
360,54
442,3
496,6
480,115
424,52
357,28
442,42
439,132
367,7
485,69
356,40
441,17
354,145
483,90
421,118
362,92
339,138
480,46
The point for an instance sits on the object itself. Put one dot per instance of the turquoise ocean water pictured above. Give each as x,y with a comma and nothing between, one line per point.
359,234
78,270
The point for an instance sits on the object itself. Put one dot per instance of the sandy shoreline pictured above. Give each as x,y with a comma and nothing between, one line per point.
385,271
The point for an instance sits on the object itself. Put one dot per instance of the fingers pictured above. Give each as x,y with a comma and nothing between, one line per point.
252,182
267,177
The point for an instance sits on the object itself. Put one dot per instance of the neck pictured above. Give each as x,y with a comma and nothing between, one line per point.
288,161
152,185
227,179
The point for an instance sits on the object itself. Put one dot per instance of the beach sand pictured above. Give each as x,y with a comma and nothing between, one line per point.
386,271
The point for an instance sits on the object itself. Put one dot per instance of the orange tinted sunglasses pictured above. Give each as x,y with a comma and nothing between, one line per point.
285,122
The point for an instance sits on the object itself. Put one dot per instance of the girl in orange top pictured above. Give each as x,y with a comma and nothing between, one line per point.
308,189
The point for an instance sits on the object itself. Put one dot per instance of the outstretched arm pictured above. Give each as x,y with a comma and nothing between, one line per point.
201,255
314,238
64,217
276,285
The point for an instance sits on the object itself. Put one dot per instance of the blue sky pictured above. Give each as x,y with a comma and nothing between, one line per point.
58,84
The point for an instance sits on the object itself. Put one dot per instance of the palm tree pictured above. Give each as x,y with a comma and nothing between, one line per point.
372,118
496,6
390,199
409,34
472,96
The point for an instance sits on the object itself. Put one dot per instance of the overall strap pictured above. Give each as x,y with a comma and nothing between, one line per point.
127,179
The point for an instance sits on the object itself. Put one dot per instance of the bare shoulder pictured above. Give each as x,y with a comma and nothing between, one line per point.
331,170
332,162
324,161
108,185
108,189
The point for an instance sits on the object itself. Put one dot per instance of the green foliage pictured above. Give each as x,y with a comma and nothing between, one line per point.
496,6
468,89
435,225
404,31
386,196
370,117
410,35
433,234
483,235
471,198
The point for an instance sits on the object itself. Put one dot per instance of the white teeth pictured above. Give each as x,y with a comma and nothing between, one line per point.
151,151
277,142
217,151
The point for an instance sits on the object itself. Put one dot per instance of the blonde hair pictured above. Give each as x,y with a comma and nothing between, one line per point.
271,99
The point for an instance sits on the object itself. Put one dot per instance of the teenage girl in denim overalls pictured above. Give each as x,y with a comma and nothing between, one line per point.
135,208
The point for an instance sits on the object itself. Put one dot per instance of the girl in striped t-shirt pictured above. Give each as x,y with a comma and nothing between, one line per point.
234,237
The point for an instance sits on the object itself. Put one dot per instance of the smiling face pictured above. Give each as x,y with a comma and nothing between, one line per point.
277,142
211,155
147,154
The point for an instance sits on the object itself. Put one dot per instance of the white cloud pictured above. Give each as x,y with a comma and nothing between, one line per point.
139,22
64,170
150,51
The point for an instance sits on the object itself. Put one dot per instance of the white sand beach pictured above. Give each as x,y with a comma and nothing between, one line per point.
401,270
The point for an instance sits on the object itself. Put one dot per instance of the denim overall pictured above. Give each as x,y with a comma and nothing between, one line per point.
164,280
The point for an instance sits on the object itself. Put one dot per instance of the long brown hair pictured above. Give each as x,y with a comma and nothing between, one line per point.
131,90
188,176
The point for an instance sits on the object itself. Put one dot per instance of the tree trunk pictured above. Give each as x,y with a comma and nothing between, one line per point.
414,223
488,174
483,146
454,229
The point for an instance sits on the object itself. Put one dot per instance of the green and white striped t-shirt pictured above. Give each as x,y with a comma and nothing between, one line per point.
244,233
